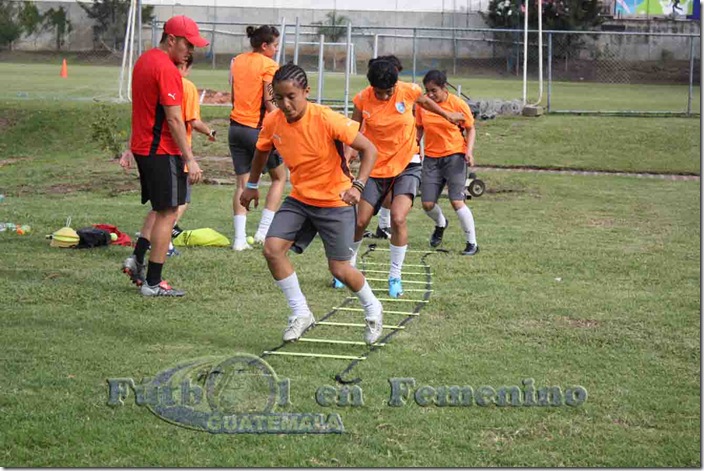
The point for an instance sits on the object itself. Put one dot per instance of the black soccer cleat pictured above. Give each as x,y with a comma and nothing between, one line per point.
438,233
470,249
382,232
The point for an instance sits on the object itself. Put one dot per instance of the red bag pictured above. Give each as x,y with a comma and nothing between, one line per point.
122,238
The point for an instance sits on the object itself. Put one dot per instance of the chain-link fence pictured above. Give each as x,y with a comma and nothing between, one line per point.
596,71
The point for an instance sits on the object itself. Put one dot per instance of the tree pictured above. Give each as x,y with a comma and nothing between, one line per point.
334,28
17,20
111,20
56,19
563,15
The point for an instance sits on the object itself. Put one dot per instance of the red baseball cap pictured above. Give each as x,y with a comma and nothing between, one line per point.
187,28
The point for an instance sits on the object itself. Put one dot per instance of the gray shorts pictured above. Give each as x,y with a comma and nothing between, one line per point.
299,222
405,183
243,142
450,170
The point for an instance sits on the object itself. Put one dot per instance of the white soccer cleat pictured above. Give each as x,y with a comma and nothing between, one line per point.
240,247
373,330
296,326
259,238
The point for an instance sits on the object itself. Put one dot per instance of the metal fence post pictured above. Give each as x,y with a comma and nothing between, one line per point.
691,75
212,48
295,42
154,38
139,28
376,46
413,76
348,67
454,51
321,69
549,69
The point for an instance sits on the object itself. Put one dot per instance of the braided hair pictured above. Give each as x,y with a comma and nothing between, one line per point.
293,73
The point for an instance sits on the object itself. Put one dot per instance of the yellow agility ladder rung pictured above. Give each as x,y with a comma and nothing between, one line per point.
402,273
315,355
348,324
356,309
340,342
395,300
404,281
410,290
374,264
407,251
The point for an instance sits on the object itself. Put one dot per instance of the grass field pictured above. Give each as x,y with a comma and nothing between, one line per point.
580,281
86,82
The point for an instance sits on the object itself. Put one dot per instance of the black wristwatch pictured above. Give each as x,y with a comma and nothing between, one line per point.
212,133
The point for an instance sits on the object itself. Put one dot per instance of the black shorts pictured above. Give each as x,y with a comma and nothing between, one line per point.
243,141
163,180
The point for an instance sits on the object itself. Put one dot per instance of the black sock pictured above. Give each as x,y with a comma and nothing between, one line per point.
154,273
140,249
176,231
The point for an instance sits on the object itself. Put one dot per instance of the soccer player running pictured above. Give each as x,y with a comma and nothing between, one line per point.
311,140
448,153
385,108
159,146
251,74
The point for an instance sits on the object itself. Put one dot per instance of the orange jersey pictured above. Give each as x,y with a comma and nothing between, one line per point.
390,126
312,150
442,138
190,108
249,71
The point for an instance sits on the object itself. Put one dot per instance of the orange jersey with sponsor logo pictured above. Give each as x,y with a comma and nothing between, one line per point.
313,152
390,126
190,109
442,138
249,72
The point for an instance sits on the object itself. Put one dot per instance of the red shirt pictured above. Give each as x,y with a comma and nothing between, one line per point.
156,83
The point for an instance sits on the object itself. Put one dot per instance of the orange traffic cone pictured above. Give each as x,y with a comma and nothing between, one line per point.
64,69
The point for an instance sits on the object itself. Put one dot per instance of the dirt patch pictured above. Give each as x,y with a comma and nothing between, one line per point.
214,97
5,124
601,223
4,162
580,323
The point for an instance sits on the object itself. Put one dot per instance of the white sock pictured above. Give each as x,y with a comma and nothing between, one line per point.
436,215
384,217
371,305
397,256
355,249
294,296
265,222
467,223
240,229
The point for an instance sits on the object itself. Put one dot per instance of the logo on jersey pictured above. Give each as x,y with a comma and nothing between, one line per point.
401,107
171,95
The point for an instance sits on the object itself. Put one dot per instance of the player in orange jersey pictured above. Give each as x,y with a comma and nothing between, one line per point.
251,74
385,108
449,150
311,140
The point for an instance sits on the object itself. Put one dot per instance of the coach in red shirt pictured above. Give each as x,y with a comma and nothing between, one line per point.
159,146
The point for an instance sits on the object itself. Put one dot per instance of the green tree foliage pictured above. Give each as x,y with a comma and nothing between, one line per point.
56,19
334,28
18,20
110,18
570,15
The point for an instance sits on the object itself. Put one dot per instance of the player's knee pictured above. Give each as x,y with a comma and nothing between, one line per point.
427,206
457,205
398,220
272,252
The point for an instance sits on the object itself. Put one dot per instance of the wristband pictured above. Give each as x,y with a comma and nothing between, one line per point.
252,186
359,185
212,133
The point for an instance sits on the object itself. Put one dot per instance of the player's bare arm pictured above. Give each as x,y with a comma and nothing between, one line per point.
178,132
